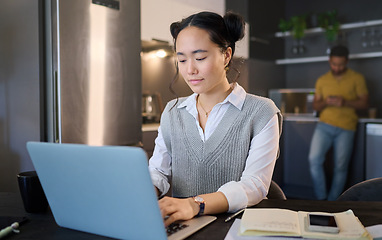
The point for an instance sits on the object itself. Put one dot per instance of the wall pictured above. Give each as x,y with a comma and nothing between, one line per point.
157,15
264,75
305,75
19,87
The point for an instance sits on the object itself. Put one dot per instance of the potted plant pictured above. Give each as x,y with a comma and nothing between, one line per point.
296,24
285,25
329,22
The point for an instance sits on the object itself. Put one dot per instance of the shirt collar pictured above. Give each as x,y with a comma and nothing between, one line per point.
236,98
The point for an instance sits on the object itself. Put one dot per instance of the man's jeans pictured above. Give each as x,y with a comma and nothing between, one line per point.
342,141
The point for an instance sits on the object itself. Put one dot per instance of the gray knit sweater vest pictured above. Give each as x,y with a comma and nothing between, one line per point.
202,167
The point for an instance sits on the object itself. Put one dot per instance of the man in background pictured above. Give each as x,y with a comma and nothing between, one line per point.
339,93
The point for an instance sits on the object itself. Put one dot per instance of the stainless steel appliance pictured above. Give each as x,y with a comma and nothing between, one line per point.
297,101
152,107
93,71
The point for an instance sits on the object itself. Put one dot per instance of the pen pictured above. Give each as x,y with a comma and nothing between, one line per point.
13,228
234,215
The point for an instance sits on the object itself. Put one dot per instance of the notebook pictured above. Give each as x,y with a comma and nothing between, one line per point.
104,190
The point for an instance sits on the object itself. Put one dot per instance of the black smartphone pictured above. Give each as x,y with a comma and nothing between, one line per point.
322,223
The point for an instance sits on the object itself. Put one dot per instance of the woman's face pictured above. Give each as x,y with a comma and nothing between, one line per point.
201,61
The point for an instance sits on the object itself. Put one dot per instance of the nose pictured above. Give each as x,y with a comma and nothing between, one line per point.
191,68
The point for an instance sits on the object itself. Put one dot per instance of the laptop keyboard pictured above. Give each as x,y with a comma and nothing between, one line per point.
175,227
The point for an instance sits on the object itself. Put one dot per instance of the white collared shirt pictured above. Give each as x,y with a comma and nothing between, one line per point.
256,177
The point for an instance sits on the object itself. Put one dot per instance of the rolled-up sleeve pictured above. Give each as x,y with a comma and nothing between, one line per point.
256,177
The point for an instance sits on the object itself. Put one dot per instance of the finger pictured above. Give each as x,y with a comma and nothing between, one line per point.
168,211
167,207
172,218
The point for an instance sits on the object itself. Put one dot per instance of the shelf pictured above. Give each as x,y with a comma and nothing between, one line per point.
325,58
345,26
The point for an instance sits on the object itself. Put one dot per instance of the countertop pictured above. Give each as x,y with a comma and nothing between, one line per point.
150,127
315,119
147,127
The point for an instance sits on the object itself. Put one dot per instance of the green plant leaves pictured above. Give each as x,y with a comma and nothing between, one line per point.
297,25
329,22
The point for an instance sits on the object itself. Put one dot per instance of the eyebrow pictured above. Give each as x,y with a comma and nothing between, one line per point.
193,52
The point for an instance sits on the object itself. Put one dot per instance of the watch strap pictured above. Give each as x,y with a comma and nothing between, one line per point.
200,201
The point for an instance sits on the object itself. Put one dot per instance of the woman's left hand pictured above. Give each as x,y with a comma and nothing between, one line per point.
177,209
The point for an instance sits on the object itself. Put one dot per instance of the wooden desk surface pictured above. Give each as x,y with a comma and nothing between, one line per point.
43,226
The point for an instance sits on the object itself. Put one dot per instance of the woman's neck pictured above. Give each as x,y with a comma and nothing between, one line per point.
209,100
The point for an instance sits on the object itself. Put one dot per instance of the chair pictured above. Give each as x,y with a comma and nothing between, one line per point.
275,192
368,190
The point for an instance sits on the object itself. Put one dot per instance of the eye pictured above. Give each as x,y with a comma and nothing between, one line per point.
201,59
181,60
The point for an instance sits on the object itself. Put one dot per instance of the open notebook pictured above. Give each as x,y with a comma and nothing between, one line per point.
103,190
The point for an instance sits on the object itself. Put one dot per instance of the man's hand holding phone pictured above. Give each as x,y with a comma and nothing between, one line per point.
336,101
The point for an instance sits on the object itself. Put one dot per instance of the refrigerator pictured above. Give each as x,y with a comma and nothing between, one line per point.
92,71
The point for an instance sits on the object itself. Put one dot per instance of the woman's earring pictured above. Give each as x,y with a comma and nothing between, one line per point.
226,68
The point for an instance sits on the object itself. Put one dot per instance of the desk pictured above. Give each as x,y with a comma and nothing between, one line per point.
43,226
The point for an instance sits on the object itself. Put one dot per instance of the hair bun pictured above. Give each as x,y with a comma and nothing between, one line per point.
174,29
235,26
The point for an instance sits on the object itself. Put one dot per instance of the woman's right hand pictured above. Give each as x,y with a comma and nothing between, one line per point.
174,209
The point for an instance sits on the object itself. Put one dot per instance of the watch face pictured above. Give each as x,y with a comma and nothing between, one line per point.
199,199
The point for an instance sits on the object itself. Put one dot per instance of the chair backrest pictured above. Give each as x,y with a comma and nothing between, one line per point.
368,190
275,192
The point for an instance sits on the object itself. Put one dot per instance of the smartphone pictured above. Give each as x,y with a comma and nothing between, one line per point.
322,223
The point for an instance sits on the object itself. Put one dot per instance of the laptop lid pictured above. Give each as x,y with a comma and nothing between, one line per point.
102,190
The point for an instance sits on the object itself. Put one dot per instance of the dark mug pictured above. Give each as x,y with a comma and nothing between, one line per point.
31,192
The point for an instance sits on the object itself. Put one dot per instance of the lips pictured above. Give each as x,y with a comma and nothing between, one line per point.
195,81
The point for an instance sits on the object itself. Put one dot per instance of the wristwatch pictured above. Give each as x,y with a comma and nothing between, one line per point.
200,201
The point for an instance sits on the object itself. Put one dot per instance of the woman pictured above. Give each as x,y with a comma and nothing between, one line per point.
218,147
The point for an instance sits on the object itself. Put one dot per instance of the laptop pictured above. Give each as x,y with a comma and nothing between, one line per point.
103,190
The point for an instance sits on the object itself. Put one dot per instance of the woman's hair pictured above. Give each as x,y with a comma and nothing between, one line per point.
224,31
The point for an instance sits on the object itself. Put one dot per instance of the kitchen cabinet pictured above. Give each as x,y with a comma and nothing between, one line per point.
263,18
373,150
295,144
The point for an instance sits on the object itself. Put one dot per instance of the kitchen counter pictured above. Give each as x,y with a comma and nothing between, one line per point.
316,119
370,120
300,118
149,127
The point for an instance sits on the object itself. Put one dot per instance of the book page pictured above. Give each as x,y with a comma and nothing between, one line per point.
349,225
270,221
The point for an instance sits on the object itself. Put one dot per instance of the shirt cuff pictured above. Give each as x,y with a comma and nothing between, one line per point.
159,181
235,194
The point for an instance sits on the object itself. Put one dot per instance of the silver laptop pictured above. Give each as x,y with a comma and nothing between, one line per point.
103,190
